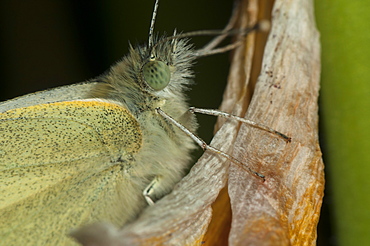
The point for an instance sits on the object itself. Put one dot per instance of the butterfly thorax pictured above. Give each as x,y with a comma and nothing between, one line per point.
146,79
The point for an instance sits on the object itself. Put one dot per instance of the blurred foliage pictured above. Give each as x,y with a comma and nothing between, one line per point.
345,116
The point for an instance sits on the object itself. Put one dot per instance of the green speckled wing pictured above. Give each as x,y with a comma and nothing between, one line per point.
63,165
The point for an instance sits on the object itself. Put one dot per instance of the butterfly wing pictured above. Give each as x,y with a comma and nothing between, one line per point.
58,94
63,165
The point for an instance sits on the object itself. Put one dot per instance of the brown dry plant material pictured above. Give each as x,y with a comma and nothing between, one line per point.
275,84
285,209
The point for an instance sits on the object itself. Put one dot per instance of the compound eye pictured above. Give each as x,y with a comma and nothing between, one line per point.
156,74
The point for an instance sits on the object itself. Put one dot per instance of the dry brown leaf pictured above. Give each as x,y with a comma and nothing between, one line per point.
283,210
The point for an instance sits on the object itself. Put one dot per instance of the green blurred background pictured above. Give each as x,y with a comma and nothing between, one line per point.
345,117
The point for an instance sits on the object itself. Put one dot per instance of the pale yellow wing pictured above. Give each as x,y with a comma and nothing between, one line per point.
63,165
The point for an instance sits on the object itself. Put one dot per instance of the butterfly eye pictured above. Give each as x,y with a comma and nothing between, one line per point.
156,74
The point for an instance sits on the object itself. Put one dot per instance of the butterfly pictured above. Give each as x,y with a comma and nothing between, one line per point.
97,151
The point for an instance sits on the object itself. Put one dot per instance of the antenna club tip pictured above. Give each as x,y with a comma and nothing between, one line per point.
264,25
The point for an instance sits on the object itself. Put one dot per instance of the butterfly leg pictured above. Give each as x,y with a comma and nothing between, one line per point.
150,190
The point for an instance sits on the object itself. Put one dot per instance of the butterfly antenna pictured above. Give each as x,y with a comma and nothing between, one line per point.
262,25
151,29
